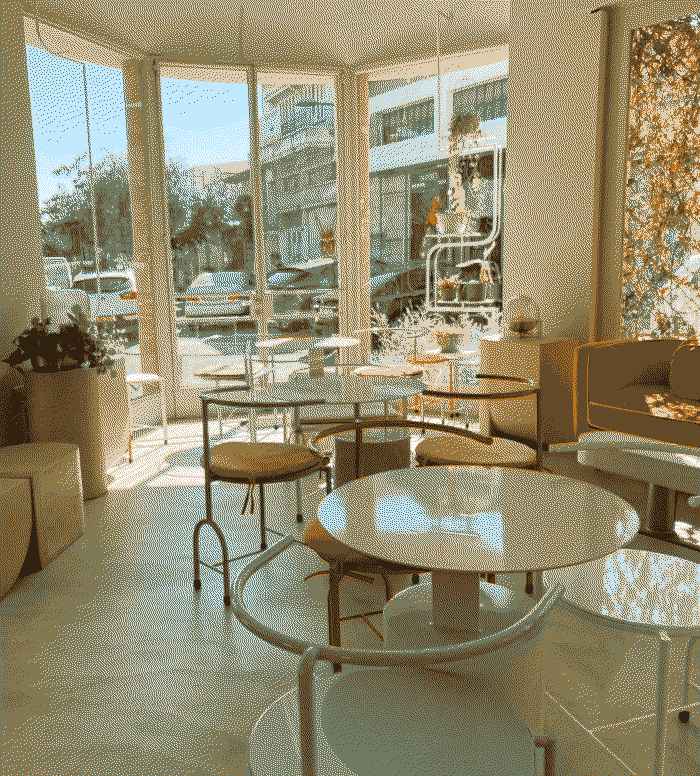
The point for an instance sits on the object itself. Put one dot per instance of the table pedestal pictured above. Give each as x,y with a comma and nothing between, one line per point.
512,675
456,603
381,450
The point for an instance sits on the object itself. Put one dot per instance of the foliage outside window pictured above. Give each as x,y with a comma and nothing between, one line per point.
661,252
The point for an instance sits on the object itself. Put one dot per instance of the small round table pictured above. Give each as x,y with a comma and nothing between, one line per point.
459,522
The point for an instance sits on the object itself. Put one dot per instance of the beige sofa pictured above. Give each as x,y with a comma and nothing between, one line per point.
623,385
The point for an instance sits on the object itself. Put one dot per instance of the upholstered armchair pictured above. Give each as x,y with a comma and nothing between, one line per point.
628,386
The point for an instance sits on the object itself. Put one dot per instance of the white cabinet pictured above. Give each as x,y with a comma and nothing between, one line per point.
550,363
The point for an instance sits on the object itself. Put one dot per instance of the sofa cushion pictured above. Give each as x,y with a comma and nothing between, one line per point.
647,410
684,377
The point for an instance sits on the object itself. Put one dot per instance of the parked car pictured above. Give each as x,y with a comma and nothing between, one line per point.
58,272
111,294
218,294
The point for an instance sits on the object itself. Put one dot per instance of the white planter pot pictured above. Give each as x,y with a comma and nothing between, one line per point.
65,407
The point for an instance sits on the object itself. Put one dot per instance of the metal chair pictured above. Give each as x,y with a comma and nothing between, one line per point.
252,463
386,717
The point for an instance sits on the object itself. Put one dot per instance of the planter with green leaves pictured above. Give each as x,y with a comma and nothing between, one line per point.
63,390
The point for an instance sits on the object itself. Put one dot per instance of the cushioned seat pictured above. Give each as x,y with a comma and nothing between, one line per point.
330,549
445,450
644,410
262,461
395,722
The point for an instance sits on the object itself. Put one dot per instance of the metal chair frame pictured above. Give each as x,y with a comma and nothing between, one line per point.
313,652
262,401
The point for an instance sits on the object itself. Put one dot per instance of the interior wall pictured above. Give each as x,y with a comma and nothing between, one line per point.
623,20
554,94
22,282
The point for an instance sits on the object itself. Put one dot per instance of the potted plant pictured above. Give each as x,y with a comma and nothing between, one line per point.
448,287
62,387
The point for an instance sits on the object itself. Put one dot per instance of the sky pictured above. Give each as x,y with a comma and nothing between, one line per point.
204,123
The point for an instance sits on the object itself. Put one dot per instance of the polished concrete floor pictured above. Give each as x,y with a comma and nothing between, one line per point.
110,664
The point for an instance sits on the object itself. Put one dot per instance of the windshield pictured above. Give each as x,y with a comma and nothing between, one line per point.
108,285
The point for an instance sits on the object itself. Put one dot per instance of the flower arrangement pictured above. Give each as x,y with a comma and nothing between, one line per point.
448,286
75,345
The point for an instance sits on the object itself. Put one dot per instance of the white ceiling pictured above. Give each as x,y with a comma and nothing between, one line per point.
355,33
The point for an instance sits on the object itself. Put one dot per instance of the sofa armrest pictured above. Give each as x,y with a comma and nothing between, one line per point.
605,367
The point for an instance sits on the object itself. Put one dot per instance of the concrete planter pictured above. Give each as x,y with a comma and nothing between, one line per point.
65,407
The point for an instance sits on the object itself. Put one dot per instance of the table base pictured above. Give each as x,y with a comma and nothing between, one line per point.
512,674
455,599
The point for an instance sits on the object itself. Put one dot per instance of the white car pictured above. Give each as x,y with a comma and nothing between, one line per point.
217,294
111,294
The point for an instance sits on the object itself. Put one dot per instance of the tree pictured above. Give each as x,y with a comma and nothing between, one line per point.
663,181
218,214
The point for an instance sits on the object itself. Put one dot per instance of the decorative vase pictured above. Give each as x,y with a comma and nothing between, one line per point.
65,407
448,341
521,316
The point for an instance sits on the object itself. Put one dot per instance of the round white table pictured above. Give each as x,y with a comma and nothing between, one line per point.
459,522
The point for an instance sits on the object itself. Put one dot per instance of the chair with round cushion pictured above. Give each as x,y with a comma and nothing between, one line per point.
450,450
388,716
343,561
251,464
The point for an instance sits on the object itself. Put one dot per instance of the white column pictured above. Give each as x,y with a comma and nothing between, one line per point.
263,308
353,205
150,226
22,280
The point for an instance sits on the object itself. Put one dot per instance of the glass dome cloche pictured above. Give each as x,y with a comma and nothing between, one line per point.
522,317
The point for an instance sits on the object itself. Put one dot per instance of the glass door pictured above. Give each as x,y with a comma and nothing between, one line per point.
297,141
206,131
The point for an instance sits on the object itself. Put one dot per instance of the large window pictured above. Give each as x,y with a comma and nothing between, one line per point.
409,184
299,198
80,145
661,253
207,145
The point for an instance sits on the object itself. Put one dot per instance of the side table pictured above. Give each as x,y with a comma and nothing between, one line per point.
16,527
549,363
52,470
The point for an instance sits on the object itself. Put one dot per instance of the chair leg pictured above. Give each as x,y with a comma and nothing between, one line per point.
335,574
387,587
529,583
329,480
549,754
297,492
263,536
224,556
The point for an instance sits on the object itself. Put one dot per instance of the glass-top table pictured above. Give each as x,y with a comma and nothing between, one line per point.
459,522
302,390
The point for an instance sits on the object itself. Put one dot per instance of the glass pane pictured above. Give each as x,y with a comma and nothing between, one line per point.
300,191
409,181
207,149
97,275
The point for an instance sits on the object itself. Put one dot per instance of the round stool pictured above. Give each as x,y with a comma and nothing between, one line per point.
139,379
450,450
381,451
